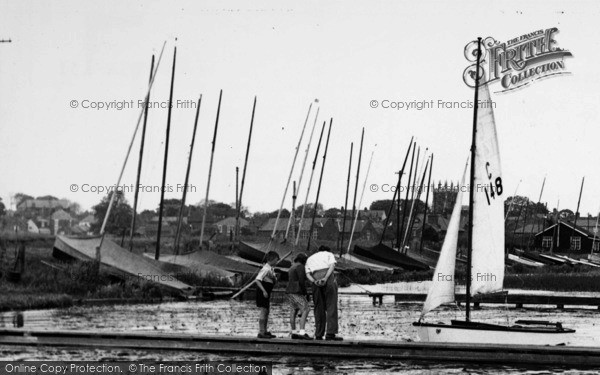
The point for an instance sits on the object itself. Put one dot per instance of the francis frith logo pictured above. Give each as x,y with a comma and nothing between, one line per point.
518,62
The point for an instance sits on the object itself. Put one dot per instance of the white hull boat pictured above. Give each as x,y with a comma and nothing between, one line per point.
522,333
524,261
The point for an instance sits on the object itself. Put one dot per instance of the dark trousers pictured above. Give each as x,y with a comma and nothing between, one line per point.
326,307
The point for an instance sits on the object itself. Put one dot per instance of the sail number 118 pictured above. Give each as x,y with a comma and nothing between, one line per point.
495,186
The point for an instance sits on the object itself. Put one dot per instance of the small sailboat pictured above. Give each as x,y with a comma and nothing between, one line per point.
485,255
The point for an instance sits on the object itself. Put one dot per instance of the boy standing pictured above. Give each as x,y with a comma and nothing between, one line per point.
297,297
265,280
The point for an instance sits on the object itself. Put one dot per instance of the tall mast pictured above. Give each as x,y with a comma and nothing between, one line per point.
396,192
576,216
293,213
139,171
426,205
312,172
341,234
362,137
515,228
413,214
400,225
164,176
287,185
556,232
595,232
525,220
112,197
509,209
416,175
239,199
472,185
360,200
312,223
537,220
237,192
212,155
304,163
187,178
412,204
512,201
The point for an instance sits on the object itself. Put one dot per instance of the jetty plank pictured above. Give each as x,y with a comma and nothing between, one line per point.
579,357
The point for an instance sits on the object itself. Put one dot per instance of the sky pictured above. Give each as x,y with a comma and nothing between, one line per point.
286,53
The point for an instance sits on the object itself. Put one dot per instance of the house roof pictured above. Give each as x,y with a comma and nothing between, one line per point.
231,221
282,224
587,223
360,225
440,223
577,228
166,219
531,228
374,214
89,219
61,215
43,203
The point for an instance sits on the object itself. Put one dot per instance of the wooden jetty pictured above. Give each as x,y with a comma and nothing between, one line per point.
578,357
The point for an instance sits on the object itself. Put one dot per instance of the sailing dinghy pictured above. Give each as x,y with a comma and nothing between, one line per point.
485,256
120,262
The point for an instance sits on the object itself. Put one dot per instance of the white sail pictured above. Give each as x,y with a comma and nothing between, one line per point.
442,285
487,258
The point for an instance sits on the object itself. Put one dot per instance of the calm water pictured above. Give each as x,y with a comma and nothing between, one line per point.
359,320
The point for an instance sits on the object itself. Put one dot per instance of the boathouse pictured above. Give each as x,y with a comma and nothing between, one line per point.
566,237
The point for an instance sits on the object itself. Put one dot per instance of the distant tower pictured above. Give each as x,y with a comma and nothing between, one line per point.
444,197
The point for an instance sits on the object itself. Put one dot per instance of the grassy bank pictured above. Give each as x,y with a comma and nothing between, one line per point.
563,278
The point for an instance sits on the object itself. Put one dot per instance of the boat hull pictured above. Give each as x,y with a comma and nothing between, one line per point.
492,334
191,264
383,253
119,262
363,262
257,252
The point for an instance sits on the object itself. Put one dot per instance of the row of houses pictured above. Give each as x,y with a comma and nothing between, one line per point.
364,229
324,228
60,222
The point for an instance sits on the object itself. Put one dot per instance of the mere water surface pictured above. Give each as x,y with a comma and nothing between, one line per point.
359,320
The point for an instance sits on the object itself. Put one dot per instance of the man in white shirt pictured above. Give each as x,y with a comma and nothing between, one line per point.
319,270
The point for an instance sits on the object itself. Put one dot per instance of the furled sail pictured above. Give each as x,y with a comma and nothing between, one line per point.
487,258
442,285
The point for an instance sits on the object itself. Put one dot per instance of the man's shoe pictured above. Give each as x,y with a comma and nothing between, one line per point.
305,337
264,336
333,338
270,335
296,336
319,338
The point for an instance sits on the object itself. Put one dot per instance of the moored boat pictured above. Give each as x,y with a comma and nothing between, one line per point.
256,252
118,261
199,268
386,254
485,250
